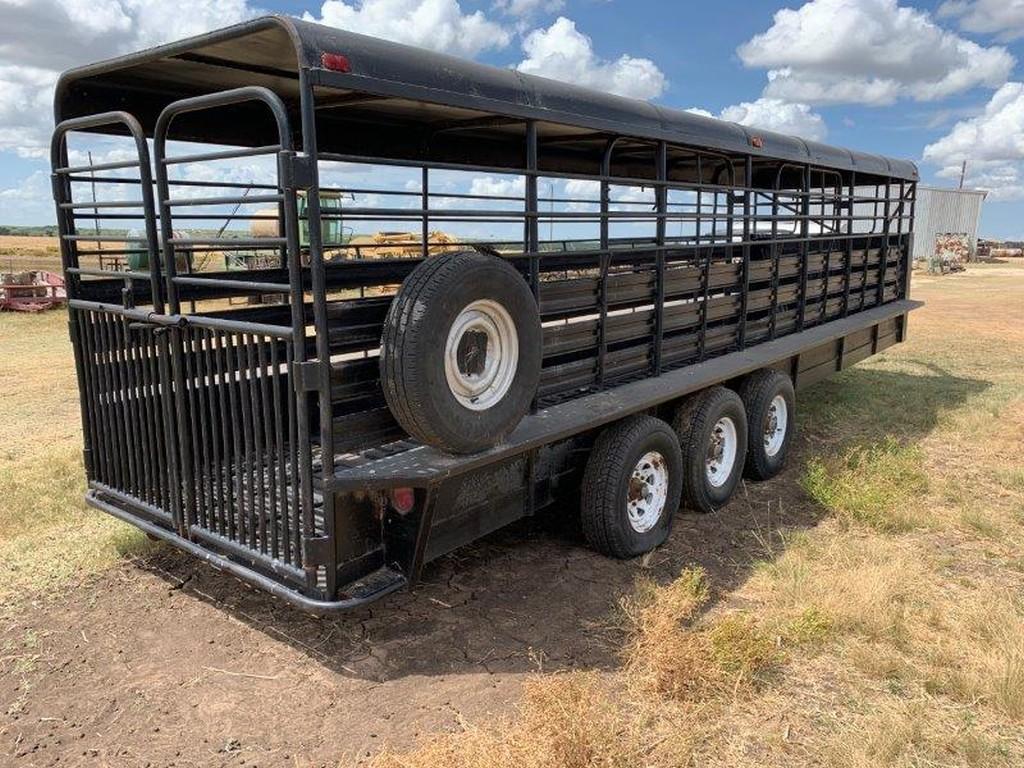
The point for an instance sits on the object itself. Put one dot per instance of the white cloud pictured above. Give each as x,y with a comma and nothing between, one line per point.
773,115
40,38
992,144
440,25
526,8
869,52
1002,18
777,115
488,185
28,202
564,53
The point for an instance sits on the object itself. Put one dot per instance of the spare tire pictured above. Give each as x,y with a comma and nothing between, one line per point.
460,353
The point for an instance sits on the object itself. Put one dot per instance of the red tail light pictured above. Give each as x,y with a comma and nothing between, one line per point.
336,62
403,500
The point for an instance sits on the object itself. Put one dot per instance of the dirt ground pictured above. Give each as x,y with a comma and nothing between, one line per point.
161,661
166,662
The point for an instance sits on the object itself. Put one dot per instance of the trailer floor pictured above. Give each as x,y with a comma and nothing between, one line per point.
161,661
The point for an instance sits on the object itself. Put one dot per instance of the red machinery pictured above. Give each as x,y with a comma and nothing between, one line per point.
31,291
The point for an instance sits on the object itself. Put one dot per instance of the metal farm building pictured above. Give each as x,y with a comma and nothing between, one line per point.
945,212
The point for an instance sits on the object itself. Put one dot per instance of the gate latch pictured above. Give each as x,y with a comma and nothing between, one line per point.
296,170
316,550
308,376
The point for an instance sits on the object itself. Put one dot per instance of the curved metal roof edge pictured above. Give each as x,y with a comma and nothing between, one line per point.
533,88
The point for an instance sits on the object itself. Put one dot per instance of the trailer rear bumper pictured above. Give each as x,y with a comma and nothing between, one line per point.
371,587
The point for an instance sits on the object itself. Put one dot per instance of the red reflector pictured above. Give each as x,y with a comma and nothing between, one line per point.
403,500
335,62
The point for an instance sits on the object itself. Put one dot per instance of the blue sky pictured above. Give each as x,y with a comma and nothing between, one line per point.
936,82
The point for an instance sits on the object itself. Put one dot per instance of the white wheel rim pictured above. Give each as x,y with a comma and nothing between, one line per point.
721,456
776,422
481,355
647,492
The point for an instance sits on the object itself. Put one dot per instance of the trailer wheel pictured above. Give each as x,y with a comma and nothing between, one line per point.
712,429
461,351
631,487
771,408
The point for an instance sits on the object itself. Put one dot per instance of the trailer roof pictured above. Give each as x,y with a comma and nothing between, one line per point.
277,48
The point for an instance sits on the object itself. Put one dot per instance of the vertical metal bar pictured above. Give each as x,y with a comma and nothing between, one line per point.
698,227
883,257
259,457
236,522
85,357
269,410
848,266
249,461
705,279
823,309
773,254
318,280
116,426
605,262
662,206
105,424
159,428
191,395
207,467
186,511
531,228
908,258
211,436
226,456
425,204
532,206
280,440
142,411
748,184
294,441
805,244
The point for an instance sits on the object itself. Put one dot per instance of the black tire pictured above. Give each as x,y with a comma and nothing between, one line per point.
413,350
758,391
695,422
608,485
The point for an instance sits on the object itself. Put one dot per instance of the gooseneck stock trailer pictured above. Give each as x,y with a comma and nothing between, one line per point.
625,301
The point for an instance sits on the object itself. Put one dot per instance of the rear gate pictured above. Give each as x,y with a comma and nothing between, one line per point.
191,422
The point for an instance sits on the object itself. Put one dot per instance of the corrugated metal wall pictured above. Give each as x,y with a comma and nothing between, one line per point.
945,211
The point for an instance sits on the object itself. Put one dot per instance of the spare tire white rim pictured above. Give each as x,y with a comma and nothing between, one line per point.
775,424
721,456
481,355
647,492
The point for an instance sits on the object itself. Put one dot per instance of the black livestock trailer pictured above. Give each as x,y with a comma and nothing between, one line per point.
521,293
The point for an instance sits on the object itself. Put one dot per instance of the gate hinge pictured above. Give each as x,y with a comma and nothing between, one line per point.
308,376
316,550
296,170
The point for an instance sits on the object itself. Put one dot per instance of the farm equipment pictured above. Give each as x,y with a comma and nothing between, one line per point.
406,398
33,291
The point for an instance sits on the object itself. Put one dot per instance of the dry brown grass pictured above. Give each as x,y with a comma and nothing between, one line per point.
47,535
668,658
24,252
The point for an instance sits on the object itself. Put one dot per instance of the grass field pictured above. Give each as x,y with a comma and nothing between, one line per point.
888,632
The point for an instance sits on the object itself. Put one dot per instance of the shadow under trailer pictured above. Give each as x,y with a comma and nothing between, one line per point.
321,418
